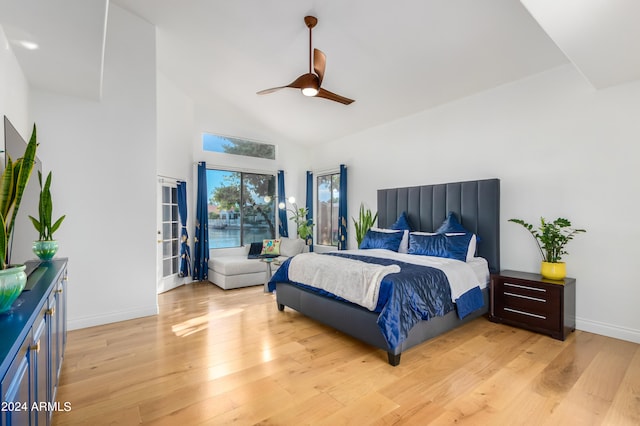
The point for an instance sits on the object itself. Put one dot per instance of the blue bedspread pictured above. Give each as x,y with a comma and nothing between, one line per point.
415,293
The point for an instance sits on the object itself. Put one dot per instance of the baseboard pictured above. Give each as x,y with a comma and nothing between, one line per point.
608,330
92,321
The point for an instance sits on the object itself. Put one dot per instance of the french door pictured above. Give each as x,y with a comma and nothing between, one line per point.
168,241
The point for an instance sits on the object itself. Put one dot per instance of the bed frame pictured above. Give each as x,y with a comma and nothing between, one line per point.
477,204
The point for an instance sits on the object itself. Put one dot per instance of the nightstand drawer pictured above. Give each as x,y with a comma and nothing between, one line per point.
528,301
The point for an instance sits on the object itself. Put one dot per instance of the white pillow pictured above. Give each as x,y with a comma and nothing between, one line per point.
404,244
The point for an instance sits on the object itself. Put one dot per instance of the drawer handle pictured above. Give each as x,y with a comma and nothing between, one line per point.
526,287
525,313
522,296
36,347
50,311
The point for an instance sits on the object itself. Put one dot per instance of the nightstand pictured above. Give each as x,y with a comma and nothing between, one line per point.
534,303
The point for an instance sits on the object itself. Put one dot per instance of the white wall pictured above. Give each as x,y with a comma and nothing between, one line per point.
103,157
176,131
217,118
14,90
559,147
14,103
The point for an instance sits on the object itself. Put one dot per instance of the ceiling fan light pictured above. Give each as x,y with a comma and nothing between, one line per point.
309,91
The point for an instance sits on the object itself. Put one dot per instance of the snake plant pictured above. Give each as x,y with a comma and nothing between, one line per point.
12,185
45,208
365,221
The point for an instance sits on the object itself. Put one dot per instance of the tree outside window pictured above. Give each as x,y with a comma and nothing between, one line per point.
327,201
241,207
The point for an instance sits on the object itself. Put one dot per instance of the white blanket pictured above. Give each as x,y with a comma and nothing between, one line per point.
460,275
330,273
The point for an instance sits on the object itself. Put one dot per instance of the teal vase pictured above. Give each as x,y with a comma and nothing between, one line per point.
12,282
45,250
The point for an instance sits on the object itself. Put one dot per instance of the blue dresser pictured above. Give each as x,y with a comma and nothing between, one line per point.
33,336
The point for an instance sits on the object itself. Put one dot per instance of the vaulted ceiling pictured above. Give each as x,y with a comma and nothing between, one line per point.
394,58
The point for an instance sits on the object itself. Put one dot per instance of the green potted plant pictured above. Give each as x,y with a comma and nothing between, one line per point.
304,226
13,182
365,221
552,237
46,247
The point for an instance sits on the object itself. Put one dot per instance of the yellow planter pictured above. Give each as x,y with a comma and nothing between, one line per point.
553,271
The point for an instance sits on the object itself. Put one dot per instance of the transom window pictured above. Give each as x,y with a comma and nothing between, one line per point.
237,146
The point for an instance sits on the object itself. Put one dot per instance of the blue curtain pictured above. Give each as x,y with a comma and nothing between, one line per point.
310,207
185,251
343,222
283,228
201,237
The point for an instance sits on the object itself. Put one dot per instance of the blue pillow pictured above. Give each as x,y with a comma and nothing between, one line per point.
450,225
440,245
402,223
382,240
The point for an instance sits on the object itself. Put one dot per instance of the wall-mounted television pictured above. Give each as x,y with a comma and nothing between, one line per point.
24,234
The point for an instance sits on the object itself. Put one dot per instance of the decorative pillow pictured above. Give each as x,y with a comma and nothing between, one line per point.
291,246
270,248
382,239
402,223
452,226
404,243
440,245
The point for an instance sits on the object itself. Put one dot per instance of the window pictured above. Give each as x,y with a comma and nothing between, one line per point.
241,207
227,145
327,217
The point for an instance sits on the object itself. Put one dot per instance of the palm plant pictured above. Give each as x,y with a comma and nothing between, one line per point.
551,237
365,221
45,209
12,185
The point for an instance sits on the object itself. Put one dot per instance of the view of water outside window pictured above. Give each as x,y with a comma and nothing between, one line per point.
328,195
228,145
241,208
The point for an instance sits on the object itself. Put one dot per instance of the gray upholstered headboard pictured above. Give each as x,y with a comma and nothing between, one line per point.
476,203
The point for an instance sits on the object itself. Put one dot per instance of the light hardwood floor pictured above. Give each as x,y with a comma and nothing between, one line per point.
218,357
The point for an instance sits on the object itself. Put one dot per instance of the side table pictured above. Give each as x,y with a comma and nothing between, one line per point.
535,303
269,272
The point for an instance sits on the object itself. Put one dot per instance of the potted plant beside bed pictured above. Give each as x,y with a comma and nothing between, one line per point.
12,185
365,221
552,237
46,247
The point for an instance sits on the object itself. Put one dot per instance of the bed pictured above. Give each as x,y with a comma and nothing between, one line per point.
476,204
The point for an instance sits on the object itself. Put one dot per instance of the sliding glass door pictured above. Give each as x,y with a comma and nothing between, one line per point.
241,207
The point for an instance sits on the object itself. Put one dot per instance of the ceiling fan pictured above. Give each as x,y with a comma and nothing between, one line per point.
310,82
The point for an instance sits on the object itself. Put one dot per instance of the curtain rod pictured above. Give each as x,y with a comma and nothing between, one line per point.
236,169
326,171
162,178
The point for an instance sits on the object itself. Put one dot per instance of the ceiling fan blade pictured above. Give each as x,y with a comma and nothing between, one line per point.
273,89
319,63
298,83
323,93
